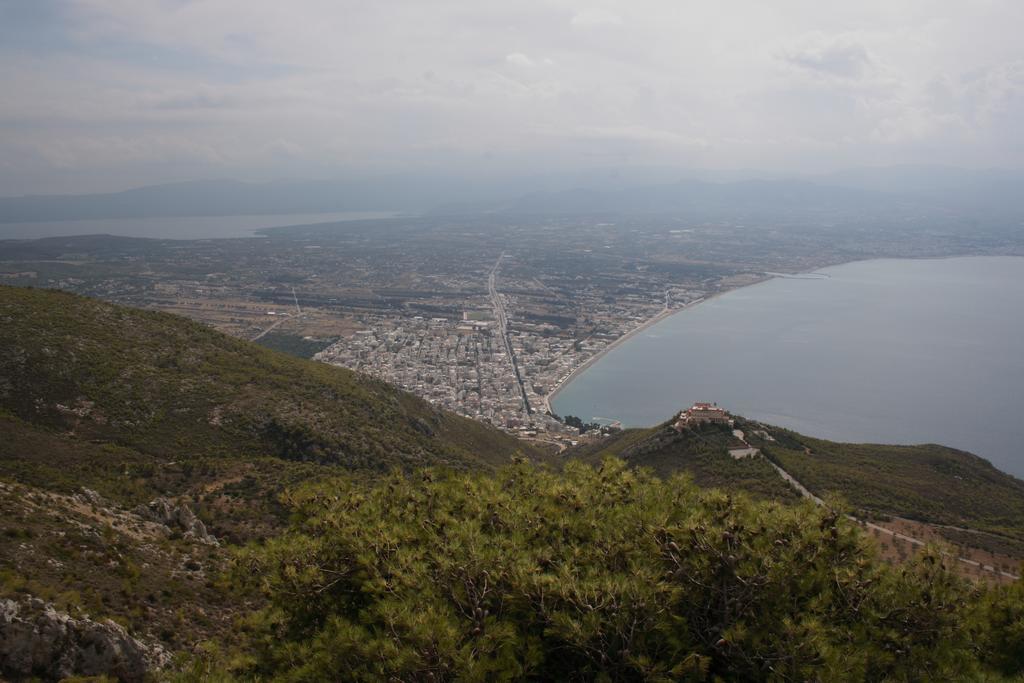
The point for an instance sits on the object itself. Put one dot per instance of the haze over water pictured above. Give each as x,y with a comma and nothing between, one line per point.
178,227
887,351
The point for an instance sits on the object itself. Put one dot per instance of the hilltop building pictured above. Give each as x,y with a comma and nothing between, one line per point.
702,413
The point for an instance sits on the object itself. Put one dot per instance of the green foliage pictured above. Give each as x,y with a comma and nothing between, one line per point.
579,424
294,344
237,499
929,483
591,574
701,452
1002,612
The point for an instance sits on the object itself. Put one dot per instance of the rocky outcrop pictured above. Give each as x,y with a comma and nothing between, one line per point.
181,517
38,641
160,516
91,497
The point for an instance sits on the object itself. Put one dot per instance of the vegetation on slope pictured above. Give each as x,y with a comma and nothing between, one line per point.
701,453
236,498
928,483
101,560
171,388
606,574
138,405
90,557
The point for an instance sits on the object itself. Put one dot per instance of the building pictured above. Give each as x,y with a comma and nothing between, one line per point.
702,413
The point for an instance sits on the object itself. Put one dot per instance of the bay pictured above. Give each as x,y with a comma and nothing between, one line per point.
883,351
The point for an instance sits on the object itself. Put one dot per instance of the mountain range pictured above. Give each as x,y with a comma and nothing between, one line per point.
992,192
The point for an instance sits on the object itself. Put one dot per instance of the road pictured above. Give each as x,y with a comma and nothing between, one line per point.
282,317
881,529
264,332
502,318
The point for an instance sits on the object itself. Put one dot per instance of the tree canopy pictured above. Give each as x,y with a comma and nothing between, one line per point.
601,573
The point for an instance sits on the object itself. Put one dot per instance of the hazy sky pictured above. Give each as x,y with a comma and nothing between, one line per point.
105,94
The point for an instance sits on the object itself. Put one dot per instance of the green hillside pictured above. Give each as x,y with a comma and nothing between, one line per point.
928,483
170,388
701,453
105,408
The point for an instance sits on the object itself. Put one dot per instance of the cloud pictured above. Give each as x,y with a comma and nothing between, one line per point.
111,88
593,17
201,98
519,59
993,92
641,134
974,106
114,150
841,56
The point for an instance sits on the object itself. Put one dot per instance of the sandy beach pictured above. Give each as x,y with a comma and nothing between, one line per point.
562,383
665,313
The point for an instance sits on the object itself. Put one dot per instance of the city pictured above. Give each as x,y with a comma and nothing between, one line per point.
486,316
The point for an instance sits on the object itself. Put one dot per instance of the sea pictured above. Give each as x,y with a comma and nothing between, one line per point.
881,351
183,228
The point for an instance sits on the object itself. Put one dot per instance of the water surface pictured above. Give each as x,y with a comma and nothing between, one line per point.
888,351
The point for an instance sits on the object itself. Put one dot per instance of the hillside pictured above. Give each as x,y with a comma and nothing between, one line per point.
925,482
701,453
137,448
138,405
172,389
928,483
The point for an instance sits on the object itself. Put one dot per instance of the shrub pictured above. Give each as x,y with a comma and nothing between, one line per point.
601,573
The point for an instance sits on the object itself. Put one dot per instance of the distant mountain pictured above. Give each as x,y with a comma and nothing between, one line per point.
642,190
398,192
990,190
694,196
236,198
409,191
195,198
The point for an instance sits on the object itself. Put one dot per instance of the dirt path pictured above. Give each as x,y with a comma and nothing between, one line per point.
805,492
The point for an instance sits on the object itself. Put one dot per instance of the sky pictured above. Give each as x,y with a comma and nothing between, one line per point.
101,95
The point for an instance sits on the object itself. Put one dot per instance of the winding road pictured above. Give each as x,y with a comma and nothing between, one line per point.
881,529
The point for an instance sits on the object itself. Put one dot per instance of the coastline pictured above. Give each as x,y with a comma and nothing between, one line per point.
650,322
974,434
765,276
